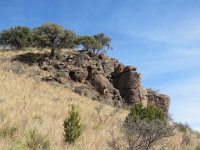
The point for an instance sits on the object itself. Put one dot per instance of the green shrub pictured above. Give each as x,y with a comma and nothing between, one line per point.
88,43
144,127
72,126
148,114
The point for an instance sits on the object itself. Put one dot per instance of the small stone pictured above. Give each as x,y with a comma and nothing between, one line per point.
61,80
130,68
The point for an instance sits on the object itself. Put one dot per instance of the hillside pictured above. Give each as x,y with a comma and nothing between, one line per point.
28,103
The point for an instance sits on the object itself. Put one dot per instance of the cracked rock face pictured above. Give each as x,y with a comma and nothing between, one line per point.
114,82
128,84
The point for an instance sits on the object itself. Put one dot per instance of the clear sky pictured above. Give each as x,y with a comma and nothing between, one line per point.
160,37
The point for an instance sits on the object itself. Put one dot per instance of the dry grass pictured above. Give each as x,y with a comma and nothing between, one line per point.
27,104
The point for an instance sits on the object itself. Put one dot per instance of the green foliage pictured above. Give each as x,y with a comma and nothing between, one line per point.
144,126
103,41
72,126
69,39
48,35
148,114
89,43
53,36
97,43
18,37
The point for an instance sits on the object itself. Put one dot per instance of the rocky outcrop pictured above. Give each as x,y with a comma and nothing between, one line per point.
160,100
102,78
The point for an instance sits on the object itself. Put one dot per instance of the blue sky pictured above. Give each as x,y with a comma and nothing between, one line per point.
160,37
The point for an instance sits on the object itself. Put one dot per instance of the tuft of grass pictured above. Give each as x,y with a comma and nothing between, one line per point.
38,119
97,127
7,132
197,147
2,116
182,127
33,140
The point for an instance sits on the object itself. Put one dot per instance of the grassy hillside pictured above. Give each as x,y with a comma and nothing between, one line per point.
27,105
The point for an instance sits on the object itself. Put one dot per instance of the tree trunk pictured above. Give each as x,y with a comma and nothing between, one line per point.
52,55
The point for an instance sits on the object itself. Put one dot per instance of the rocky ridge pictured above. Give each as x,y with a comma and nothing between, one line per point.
99,77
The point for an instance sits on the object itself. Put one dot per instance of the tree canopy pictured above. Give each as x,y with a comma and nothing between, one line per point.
103,41
53,36
18,37
97,43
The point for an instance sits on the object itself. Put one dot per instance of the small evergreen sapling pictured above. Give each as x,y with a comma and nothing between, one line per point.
72,126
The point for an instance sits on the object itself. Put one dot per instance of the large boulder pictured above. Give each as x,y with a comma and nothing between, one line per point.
108,67
129,83
160,100
78,75
81,59
118,70
101,83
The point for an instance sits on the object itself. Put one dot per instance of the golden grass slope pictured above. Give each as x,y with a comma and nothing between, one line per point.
27,104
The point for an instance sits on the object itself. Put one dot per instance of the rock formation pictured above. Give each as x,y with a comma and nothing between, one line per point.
102,78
